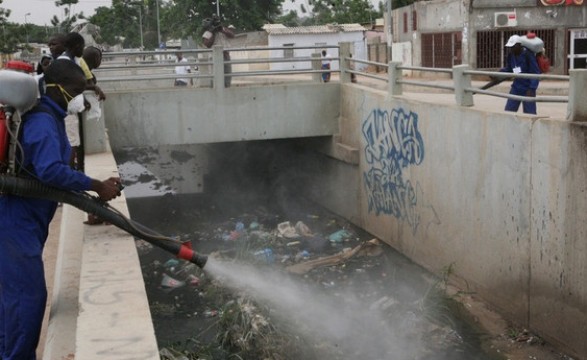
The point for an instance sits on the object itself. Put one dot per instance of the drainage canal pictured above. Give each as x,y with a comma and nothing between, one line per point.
286,279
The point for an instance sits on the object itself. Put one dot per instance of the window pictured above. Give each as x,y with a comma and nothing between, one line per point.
414,20
442,50
288,53
405,22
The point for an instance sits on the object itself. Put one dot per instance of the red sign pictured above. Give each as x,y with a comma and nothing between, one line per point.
561,2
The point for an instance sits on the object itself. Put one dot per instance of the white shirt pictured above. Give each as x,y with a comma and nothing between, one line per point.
182,70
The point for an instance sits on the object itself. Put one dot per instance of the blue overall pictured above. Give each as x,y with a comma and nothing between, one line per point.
527,64
24,225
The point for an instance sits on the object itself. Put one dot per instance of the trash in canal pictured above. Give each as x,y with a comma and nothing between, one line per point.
316,290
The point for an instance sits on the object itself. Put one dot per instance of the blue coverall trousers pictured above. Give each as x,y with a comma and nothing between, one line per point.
23,293
529,107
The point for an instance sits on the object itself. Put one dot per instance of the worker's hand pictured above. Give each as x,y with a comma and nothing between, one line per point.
107,189
99,93
87,105
531,93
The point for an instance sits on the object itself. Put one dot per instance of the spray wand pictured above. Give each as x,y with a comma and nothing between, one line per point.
83,201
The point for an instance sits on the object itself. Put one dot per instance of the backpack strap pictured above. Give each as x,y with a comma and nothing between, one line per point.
528,62
14,149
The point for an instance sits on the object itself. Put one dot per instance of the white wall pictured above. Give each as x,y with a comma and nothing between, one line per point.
331,39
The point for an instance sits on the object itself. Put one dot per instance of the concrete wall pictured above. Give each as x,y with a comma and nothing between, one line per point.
437,182
502,3
197,117
498,197
558,252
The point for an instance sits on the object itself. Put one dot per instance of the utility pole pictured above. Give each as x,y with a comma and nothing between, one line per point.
158,26
140,21
389,22
389,27
141,26
218,8
26,28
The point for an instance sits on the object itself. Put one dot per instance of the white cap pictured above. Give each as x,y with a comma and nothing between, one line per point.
513,40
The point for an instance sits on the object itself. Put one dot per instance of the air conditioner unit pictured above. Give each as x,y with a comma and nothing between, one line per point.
505,19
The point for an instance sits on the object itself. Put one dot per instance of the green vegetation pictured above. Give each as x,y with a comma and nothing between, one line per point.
122,22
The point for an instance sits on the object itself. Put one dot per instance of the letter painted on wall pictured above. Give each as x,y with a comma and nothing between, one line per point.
560,2
393,143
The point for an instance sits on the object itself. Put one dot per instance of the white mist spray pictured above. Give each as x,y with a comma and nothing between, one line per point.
343,321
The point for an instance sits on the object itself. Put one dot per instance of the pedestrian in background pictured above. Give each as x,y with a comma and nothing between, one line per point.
217,34
93,58
326,58
521,61
74,45
43,63
182,69
56,45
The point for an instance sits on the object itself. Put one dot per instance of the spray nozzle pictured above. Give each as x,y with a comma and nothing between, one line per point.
187,253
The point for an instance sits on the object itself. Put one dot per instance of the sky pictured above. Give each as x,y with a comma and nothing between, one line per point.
42,11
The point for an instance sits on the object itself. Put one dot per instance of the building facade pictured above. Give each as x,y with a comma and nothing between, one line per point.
444,33
318,36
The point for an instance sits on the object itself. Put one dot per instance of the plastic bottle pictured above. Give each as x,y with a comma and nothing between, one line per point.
265,255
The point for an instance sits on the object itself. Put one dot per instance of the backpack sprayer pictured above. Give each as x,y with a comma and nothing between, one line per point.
18,94
535,45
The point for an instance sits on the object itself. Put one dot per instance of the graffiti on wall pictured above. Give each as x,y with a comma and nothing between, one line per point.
560,2
393,143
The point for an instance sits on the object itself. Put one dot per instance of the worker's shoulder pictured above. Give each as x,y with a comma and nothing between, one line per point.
39,112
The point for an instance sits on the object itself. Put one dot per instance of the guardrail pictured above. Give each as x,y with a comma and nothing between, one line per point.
461,76
462,88
209,64
256,62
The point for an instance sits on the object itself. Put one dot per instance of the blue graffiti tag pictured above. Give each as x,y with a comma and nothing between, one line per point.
393,143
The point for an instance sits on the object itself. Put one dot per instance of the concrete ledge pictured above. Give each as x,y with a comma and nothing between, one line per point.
100,308
346,153
60,340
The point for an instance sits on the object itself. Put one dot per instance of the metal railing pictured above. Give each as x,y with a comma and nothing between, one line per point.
253,64
395,79
210,64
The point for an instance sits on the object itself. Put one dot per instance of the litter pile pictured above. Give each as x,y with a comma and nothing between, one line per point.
196,316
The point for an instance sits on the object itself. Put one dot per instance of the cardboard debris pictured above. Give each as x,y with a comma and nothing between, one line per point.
368,248
286,230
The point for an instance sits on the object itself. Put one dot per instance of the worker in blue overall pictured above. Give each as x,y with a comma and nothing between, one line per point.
521,61
24,222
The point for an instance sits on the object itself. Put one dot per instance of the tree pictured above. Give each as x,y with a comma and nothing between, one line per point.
400,3
120,23
10,33
66,24
343,12
4,14
182,18
291,19
178,18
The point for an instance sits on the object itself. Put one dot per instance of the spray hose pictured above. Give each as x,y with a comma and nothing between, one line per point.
93,205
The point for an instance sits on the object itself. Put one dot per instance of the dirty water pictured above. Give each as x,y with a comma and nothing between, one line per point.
257,298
